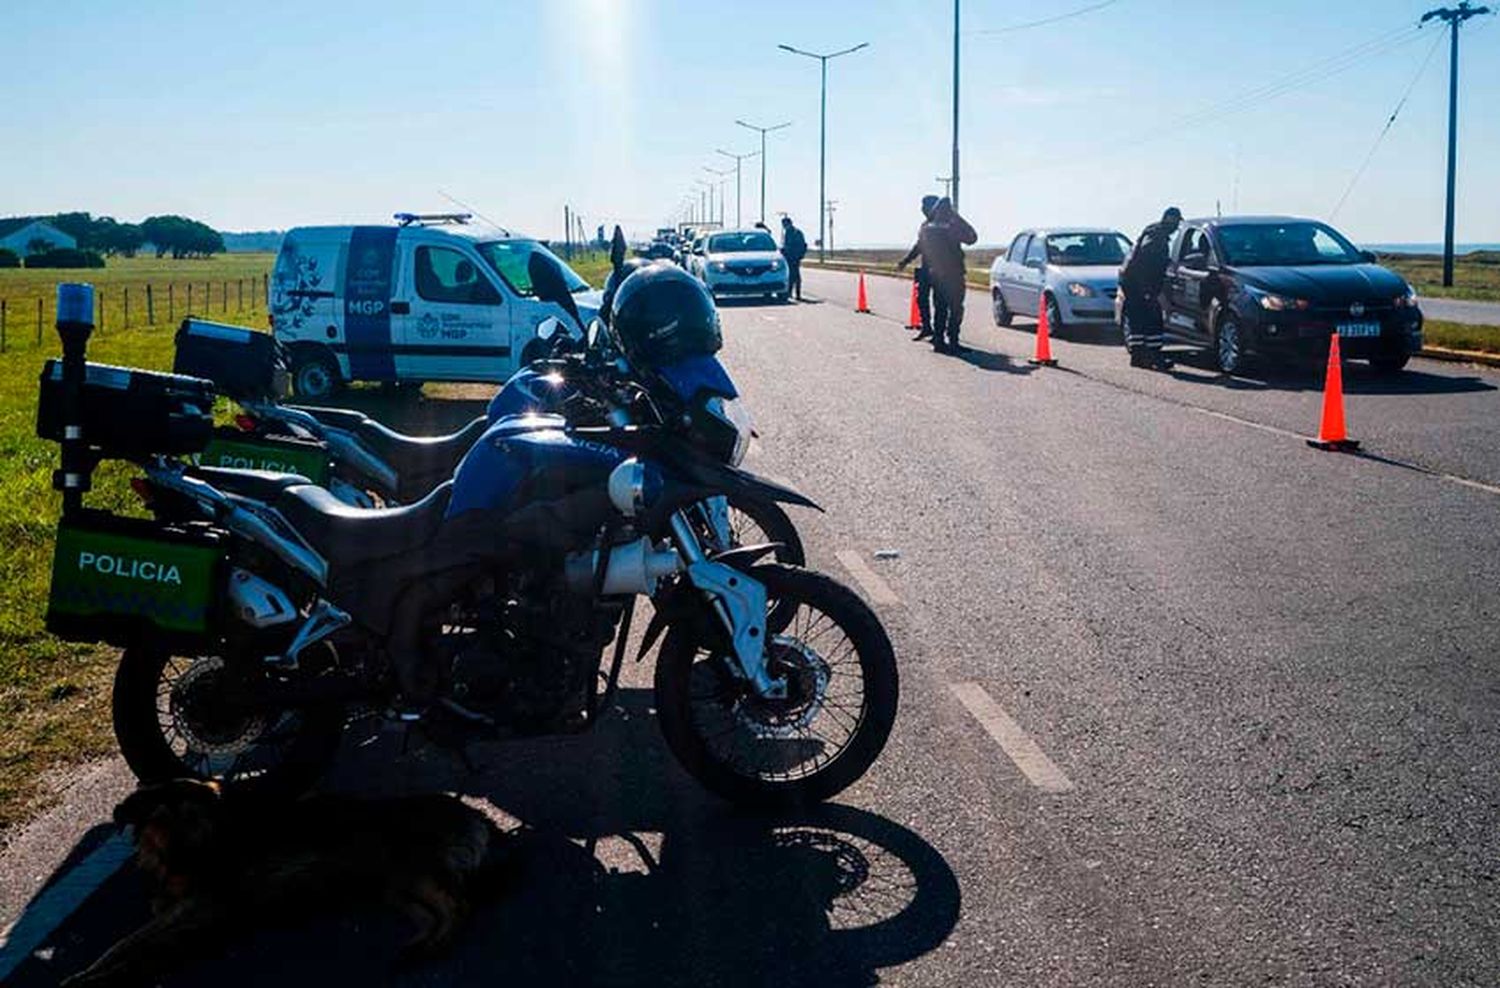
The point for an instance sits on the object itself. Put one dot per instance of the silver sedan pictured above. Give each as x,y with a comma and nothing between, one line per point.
1074,269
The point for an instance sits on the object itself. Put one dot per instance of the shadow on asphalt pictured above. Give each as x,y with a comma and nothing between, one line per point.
1196,367
630,874
987,360
1103,334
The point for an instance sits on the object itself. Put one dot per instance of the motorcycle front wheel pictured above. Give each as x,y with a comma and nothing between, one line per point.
842,690
175,718
750,521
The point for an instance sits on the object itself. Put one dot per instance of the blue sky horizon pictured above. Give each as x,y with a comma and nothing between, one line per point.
289,114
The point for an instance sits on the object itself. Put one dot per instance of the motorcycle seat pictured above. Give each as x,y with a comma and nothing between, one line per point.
412,456
347,536
259,485
340,418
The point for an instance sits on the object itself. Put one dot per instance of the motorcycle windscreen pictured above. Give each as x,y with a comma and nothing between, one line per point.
687,378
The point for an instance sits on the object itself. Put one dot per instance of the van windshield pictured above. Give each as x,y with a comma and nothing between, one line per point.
509,258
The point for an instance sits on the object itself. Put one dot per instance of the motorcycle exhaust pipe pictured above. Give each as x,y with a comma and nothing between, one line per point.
633,568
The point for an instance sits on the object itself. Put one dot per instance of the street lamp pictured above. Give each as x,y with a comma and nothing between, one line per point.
722,179
763,132
738,219
823,127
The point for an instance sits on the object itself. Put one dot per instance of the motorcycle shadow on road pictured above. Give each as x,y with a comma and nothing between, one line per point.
627,874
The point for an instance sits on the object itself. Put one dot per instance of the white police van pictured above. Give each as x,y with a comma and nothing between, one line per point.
430,298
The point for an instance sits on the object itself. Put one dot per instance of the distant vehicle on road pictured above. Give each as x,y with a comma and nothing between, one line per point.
740,262
1075,269
428,298
659,250
1278,285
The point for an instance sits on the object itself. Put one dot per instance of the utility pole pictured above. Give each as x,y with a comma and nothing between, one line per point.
1455,16
722,177
954,173
763,132
738,219
823,131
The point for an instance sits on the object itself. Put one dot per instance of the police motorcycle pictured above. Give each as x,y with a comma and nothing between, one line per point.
363,462
251,633
590,381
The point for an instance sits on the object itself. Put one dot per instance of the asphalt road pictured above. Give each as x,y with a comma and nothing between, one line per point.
1184,702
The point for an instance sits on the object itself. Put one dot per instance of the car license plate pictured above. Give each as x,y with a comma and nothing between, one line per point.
1350,329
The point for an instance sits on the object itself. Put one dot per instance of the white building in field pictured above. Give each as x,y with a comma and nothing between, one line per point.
19,233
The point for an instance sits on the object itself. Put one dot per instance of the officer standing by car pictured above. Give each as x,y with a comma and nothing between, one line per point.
924,284
941,242
1141,279
794,249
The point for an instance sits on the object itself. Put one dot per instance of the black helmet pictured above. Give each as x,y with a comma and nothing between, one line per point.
612,285
661,314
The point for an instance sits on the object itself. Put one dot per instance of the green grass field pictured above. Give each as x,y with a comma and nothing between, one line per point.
54,696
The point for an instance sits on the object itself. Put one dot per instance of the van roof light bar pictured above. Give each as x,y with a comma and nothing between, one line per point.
433,219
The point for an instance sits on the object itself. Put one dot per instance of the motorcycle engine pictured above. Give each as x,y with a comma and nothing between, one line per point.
531,660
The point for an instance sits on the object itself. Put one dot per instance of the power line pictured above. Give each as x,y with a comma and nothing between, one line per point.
1380,138
1027,25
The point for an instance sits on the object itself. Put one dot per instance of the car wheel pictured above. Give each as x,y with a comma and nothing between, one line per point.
315,374
1003,314
1229,345
1054,316
1390,365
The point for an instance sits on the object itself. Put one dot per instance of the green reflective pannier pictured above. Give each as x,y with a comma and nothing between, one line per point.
123,580
280,454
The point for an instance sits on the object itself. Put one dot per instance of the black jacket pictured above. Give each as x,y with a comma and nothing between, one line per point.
1145,269
793,244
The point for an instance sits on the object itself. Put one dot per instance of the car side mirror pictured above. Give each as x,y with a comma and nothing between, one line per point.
1195,262
1368,256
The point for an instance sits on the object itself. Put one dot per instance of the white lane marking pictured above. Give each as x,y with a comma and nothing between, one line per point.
874,587
48,911
1015,742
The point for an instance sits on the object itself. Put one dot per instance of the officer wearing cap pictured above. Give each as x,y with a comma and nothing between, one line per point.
924,284
1141,279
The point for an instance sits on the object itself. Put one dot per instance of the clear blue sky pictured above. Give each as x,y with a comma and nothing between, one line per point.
272,114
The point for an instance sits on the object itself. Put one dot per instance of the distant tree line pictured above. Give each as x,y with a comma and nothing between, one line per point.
177,236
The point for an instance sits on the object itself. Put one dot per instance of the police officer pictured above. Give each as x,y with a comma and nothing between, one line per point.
794,249
1141,278
924,283
941,241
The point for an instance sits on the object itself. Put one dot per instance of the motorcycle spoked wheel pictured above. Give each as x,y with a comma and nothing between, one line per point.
753,521
841,703
174,718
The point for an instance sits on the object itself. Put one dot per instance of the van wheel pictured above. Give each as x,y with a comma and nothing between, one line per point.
315,374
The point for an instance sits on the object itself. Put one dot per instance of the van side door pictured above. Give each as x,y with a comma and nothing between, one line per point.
455,320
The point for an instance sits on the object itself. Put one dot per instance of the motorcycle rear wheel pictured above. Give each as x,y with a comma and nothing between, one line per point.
167,732
828,639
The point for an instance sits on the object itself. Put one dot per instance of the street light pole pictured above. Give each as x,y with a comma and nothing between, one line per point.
823,131
763,132
738,219
1454,16
721,180
953,196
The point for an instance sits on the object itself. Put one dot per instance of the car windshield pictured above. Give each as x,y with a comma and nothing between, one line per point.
737,243
1290,244
1082,249
510,258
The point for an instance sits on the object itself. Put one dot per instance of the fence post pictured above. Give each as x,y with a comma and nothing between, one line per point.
125,323
208,298
100,320
2,325
265,290
189,310
171,303
38,322
150,307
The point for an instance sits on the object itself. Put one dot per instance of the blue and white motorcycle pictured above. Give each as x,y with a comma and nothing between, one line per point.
484,610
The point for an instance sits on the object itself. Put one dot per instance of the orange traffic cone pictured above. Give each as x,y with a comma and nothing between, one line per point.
914,320
1043,356
862,302
1331,432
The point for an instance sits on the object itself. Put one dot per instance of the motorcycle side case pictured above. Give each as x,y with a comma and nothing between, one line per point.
124,580
242,363
235,449
131,412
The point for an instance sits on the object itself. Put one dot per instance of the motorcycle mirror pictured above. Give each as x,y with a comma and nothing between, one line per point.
595,331
547,328
549,285
617,248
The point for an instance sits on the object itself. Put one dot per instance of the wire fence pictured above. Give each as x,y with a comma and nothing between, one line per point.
25,321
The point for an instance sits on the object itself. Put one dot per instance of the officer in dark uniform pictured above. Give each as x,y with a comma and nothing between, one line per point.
794,249
1141,279
924,284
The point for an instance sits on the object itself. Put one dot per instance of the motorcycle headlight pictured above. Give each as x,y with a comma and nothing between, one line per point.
724,427
1281,303
1078,289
